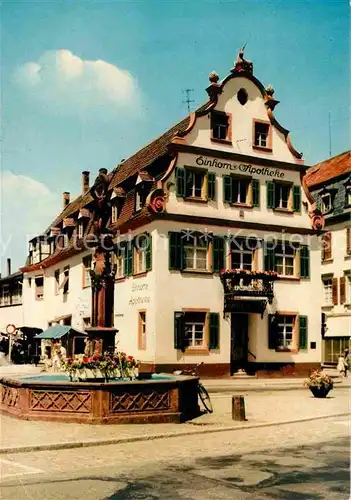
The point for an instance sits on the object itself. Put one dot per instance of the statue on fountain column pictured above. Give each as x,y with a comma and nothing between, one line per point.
99,191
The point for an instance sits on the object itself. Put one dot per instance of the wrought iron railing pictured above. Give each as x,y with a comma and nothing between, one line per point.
254,284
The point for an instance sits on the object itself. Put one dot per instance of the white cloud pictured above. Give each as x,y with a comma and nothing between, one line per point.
61,78
27,208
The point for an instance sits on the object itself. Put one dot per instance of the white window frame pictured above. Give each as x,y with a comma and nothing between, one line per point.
328,291
39,290
86,270
261,140
114,214
119,261
190,329
283,323
218,128
326,206
142,330
238,250
283,255
57,281
279,187
191,244
139,260
138,201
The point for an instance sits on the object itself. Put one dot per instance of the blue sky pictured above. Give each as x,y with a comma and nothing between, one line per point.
149,51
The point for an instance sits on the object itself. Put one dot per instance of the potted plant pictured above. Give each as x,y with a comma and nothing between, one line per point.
319,384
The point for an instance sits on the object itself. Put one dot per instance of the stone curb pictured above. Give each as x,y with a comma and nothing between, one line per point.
164,435
265,388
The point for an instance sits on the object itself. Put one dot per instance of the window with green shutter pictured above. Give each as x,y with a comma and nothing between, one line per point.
227,189
211,186
297,198
176,251
255,183
304,261
128,258
179,331
272,331
148,250
303,332
270,194
269,256
218,253
214,331
180,181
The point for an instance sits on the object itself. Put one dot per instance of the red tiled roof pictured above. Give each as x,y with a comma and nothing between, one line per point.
150,152
328,169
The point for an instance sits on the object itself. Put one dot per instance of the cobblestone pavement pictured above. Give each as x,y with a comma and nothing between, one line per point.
261,407
302,461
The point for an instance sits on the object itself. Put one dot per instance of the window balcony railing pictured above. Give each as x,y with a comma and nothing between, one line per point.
240,283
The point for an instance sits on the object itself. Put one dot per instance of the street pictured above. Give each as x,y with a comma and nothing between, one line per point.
306,460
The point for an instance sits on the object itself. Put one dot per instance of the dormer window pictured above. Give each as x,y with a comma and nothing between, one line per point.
348,196
262,135
114,214
220,126
140,198
326,203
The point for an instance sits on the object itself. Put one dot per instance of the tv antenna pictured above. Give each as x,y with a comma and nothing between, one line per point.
187,99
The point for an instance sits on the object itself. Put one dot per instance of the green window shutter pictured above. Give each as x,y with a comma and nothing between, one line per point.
211,186
148,257
180,181
227,189
255,192
128,258
179,331
303,332
304,261
269,259
214,331
189,182
218,253
175,251
297,198
270,194
272,331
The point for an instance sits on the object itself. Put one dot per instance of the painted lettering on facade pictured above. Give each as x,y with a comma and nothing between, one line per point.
133,301
246,169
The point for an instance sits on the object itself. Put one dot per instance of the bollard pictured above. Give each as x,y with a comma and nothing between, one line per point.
238,408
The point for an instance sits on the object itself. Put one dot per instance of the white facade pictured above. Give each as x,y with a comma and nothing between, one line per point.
264,174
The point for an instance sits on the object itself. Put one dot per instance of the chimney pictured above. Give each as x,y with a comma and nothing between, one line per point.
8,267
65,199
85,181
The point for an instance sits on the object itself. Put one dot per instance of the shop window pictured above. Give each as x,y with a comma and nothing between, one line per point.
142,330
87,260
196,253
334,348
262,135
39,287
220,126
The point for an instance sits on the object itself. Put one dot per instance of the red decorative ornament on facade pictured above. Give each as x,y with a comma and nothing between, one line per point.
318,220
157,202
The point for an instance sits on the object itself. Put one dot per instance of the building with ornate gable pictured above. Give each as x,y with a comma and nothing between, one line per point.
216,258
330,185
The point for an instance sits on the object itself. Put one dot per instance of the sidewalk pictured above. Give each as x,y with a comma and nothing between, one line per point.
263,409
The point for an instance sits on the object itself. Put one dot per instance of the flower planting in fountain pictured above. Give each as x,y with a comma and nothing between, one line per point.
107,366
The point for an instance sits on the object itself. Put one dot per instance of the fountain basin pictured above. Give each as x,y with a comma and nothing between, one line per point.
161,399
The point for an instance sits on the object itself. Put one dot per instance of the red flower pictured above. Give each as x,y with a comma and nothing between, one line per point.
85,360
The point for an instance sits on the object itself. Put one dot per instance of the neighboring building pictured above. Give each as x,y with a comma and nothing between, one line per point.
210,194
330,185
11,305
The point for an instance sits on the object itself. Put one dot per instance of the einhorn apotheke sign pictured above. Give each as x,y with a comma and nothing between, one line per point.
202,161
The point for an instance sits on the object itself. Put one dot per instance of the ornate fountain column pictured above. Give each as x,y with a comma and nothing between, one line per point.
102,332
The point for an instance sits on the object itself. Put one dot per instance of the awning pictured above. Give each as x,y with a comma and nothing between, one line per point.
58,331
338,326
